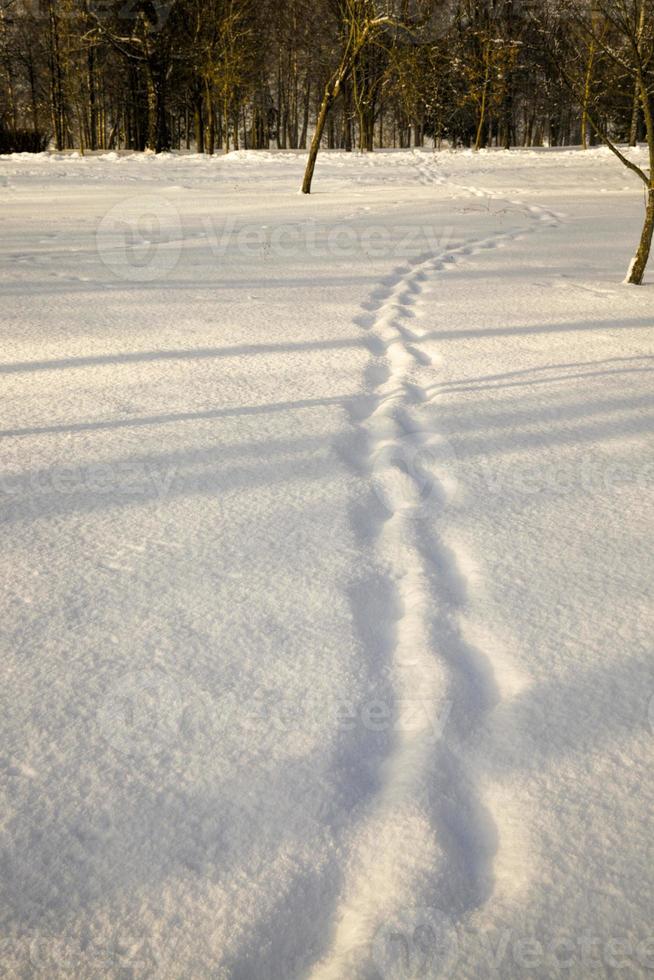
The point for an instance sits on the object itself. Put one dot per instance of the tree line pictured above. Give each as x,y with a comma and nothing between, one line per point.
215,75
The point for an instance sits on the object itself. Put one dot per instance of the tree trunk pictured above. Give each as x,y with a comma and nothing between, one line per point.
635,117
331,133
482,110
163,132
211,117
236,123
226,123
347,118
305,116
588,88
639,263
93,102
331,91
369,129
114,133
152,112
198,125
33,97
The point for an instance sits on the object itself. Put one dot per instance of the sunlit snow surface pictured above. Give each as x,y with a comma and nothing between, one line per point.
326,568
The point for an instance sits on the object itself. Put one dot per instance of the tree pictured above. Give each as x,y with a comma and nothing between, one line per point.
360,24
622,31
144,36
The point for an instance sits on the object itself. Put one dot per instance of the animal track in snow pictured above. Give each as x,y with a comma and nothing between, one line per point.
412,473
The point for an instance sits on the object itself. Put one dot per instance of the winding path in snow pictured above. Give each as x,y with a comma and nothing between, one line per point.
426,833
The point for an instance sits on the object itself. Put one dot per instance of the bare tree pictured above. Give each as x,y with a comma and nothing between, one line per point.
360,22
622,31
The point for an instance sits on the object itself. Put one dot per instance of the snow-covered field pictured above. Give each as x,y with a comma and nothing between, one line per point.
327,560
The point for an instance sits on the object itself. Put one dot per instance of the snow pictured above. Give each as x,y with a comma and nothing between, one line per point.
327,561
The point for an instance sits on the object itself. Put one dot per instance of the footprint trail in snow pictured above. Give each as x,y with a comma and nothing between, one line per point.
426,838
